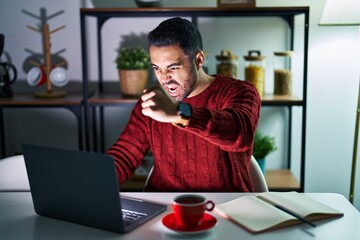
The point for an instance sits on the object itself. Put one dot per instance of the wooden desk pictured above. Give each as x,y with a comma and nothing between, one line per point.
19,221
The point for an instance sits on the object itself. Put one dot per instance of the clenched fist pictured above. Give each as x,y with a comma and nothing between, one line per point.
158,105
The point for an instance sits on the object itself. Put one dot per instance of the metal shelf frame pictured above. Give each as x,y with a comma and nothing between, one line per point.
103,14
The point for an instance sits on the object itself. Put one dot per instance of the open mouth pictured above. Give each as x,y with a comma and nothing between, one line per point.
171,88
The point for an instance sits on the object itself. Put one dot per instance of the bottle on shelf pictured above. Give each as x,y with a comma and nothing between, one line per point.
227,64
255,70
282,73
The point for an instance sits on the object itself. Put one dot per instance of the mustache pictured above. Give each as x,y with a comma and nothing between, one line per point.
172,81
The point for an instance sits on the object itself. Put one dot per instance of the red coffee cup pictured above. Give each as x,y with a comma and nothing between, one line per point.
36,76
189,209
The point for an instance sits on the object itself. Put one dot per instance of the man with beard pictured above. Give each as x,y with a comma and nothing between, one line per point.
199,127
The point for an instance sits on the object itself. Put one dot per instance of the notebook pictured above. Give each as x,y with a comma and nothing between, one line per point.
82,187
273,210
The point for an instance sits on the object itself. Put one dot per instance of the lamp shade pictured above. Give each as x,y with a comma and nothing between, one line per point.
341,13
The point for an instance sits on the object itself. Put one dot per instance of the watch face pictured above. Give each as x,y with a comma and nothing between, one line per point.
185,110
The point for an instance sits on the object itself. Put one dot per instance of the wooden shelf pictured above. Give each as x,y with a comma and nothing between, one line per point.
28,99
281,180
269,100
110,98
198,11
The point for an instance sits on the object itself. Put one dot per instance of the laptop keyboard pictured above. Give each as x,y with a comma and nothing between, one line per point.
131,216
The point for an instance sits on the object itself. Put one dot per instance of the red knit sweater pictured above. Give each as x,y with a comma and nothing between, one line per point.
211,154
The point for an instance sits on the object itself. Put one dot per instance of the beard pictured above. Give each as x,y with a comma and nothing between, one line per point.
183,91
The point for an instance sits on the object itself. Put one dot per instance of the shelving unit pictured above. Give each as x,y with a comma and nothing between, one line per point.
72,102
279,179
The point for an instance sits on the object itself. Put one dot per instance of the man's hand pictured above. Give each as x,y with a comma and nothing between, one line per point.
158,105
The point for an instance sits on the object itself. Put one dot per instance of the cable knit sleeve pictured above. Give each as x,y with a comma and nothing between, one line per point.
231,116
132,145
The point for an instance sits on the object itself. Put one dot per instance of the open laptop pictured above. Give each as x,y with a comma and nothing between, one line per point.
82,187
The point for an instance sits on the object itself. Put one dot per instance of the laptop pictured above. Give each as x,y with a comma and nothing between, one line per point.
82,187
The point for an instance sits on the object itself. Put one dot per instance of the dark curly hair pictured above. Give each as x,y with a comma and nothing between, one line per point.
177,31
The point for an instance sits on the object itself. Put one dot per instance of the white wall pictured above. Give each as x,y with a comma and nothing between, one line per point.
333,78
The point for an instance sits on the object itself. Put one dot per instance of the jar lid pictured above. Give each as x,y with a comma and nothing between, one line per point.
254,55
284,53
226,55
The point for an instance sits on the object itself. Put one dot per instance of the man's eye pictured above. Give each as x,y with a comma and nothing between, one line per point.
174,68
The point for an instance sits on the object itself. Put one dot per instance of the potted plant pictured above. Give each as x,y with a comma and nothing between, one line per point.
263,145
133,65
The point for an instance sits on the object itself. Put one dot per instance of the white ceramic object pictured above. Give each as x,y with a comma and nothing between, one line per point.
59,77
36,77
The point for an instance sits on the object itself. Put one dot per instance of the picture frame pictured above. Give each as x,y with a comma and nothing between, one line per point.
236,3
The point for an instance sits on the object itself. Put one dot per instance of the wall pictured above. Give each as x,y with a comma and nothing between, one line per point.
333,77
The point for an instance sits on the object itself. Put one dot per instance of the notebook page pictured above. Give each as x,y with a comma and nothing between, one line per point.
299,203
253,213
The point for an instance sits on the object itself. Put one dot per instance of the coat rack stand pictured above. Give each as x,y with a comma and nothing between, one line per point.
49,93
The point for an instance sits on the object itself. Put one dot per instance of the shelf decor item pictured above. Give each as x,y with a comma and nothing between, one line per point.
255,70
8,73
282,73
236,3
133,65
227,64
263,146
43,73
345,13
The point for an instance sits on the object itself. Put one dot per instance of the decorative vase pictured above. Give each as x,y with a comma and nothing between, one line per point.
261,162
133,82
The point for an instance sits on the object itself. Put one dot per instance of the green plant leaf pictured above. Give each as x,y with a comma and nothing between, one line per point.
132,58
263,145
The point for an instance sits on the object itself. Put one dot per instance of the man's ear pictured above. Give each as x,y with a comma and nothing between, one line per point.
199,59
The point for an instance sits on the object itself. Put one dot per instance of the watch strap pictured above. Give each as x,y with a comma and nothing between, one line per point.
185,112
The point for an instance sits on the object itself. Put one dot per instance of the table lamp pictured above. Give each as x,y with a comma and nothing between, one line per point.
345,13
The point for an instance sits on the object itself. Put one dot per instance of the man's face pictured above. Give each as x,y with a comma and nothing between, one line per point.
174,70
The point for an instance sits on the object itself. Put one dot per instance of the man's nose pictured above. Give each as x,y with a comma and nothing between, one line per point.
164,76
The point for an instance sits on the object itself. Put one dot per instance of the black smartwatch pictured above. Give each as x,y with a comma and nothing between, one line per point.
185,112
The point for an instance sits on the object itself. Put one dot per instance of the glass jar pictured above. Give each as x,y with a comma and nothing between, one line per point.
255,70
282,73
227,64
